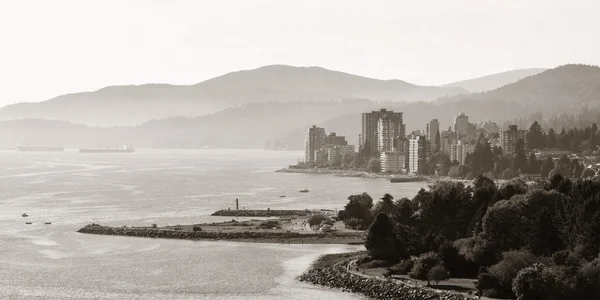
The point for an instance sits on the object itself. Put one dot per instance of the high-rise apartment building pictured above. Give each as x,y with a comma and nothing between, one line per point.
332,140
389,128
369,137
461,125
315,140
447,138
472,132
509,138
432,131
459,151
417,154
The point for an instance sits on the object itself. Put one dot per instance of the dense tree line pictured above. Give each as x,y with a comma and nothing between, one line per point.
576,140
537,241
491,162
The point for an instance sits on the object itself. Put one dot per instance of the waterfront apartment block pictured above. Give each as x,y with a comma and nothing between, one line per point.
417,154
369,137
337,152
432,131
321,156
389,128
508,138
393,162
315,140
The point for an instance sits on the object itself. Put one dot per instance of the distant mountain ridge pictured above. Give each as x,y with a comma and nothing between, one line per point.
134,104
494,81
556,95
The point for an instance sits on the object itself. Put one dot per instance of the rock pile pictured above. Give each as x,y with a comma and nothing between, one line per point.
260,213
372,287
192,235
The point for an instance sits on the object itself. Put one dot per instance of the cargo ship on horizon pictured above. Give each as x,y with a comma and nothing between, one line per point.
40,148
125,149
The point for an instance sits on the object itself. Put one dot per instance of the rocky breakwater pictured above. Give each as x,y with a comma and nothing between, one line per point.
336,277
260,213
193,235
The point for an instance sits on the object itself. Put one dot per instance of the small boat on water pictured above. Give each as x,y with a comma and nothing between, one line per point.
282,196
47,223
28,223
304,191
24,215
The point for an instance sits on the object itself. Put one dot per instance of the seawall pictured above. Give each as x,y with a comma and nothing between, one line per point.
330,270
373,288
259,213
240,236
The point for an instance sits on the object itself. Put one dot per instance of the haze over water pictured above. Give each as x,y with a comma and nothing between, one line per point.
70,190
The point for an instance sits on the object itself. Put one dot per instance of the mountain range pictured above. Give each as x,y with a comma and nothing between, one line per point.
131,105
494,81
565,90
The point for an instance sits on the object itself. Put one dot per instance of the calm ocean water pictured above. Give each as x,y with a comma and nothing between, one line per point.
70,190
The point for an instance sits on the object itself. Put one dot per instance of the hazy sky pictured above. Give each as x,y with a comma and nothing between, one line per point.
48,48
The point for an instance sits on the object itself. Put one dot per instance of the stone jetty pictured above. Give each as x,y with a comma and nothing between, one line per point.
265,236
260,213
191,235
335,277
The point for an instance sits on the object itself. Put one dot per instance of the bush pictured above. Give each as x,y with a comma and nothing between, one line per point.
374,165
588,280
197,228
269,224
316,220
354,223
402,268
424,264
507,269
437,274
536,282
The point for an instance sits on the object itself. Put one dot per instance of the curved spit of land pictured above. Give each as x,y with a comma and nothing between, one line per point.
286,226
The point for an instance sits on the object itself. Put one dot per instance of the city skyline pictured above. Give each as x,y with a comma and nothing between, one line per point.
176,42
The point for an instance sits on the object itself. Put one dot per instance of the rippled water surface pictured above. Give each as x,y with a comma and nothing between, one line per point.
70,190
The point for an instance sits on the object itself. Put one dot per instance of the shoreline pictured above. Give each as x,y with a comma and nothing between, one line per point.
333,271
356,174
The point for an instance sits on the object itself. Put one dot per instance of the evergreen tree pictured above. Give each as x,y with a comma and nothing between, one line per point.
551,139
482,158
535,136
385,205
380,241
564,141
519,157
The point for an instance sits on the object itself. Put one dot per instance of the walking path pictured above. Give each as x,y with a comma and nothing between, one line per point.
352,267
